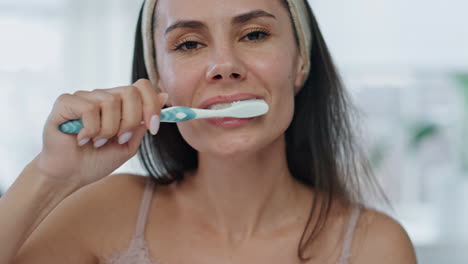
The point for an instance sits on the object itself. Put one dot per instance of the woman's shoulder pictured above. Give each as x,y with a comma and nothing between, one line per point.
102,199
118,182
110,194
114,197
97,217
107,210
379,238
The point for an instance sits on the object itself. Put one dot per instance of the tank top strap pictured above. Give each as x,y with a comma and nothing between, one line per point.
144,207
348,236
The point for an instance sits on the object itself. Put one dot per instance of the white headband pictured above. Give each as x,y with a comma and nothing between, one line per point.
298,12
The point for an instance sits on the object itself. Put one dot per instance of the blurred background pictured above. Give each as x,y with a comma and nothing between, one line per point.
404,62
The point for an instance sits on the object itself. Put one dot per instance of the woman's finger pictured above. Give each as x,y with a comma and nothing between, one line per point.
132,105
151,101
152,104
110,111
73,107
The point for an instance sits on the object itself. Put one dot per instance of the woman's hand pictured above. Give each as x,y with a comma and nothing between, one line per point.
111,134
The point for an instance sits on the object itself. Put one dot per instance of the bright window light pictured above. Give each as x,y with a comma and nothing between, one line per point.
29,45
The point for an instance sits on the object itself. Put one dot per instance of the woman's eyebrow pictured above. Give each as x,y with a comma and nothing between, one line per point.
240,19
185,24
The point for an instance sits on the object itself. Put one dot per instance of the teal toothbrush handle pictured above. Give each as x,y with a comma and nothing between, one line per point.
171,114
177,114
71,127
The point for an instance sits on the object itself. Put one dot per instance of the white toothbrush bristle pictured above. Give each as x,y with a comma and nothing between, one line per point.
227,105
247,108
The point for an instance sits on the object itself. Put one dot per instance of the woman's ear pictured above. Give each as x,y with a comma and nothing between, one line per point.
300,74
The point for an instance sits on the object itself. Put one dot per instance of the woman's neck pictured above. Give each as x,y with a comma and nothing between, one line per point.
245,196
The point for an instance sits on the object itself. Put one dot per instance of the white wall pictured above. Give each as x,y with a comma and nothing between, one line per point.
396,33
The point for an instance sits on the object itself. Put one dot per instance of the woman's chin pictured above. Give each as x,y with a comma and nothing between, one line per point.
228,144
231,154
232,147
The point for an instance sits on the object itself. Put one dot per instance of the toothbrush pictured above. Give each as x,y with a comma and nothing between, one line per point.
238,109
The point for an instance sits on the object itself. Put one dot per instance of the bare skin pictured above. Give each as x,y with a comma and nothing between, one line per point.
111,206
241,205
242,180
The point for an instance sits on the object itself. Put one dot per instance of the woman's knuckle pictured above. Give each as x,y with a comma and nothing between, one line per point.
90,108
98,90
63,97
110,100
114,99
143,82
130,91
79,92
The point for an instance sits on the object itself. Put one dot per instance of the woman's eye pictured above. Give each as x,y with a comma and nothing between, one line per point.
256,35
188,46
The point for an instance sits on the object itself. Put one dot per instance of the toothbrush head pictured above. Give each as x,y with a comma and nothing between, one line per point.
248,108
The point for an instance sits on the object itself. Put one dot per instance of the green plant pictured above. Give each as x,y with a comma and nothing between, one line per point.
420,132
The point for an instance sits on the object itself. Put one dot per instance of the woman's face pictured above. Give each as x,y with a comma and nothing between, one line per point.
214,51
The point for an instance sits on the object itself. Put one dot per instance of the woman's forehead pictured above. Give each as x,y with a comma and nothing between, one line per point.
169,11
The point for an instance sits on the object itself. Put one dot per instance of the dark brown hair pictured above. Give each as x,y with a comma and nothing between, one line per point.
320,144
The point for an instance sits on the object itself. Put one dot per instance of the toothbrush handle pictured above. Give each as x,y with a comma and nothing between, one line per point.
171,114
178,114
71,127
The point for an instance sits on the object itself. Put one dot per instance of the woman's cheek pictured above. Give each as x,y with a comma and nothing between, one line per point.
181,81
275,65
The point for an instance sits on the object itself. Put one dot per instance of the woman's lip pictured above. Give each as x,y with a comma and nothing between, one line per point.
228,121
227,99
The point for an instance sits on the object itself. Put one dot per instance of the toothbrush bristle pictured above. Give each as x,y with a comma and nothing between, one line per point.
248,108
248,100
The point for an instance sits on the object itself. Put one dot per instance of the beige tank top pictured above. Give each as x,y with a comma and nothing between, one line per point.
137,251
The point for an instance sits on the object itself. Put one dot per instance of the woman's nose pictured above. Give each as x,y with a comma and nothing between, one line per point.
225,66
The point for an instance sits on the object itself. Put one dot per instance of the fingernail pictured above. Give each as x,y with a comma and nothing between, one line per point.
99,143
164,97
124,138
154,125
83,142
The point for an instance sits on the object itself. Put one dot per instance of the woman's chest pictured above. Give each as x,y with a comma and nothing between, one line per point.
167,245
183,248
207,254
254,256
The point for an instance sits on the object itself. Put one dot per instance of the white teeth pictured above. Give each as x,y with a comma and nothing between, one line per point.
222,105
